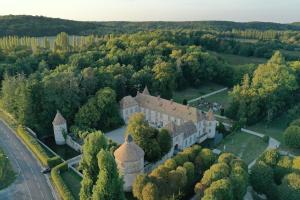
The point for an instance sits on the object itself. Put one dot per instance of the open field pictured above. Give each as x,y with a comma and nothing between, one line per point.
239,60
72,180
247,147
191,93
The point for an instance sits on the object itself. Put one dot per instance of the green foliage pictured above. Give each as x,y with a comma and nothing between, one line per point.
7,174
261,178
290,187
93,143
154,143
58,182
270,157
109,184
292,136
266,139
267,94
100,112
36,148
220,189
150,192
283,167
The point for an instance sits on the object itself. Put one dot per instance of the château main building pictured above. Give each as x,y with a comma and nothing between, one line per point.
187,125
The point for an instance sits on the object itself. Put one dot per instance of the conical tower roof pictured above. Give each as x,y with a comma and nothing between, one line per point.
146,91
129,151
59,119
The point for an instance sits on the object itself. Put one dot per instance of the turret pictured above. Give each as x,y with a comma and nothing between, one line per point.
60,129
211,124
130,161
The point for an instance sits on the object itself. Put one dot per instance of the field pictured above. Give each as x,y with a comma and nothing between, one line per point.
247,147
239,60
72,180
191,93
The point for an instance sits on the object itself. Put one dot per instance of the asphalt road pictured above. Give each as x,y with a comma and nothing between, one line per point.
30,184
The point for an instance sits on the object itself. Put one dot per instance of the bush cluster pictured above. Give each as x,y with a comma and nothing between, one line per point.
175,177
61,187
37,149
276,176
226,179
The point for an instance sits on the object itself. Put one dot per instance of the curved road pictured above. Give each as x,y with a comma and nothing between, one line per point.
30,183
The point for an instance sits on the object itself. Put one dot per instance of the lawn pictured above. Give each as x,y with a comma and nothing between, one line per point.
72,180
7,176
222,98
274,129
247,147
191,93
239,60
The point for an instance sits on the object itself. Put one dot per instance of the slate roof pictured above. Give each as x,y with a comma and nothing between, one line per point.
127,102
59,119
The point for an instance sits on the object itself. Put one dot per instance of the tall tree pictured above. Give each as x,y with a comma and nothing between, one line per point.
109,185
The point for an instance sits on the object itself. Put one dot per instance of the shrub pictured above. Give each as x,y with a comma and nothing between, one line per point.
270,157
52,162
292,136
33,145
290,187
266,138
61,187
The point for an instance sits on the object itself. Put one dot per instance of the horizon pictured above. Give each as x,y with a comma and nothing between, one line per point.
167,11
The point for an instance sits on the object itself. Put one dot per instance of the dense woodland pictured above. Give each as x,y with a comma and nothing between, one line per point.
84,77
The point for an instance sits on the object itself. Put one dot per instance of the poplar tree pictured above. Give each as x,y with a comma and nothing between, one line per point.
109,185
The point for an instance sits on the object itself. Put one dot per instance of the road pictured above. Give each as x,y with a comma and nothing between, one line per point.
30,183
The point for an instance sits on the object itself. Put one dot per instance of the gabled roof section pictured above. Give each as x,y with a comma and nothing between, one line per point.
59,119
188,128
127,102
170,108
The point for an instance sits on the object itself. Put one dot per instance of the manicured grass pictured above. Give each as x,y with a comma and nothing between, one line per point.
191,93
247,147
9,175
239,60
72,180
274,129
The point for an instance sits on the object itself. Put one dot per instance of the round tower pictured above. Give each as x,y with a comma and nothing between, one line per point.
130,161
60,129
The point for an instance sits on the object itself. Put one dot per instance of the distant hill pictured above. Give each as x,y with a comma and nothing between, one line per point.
296,23
26,25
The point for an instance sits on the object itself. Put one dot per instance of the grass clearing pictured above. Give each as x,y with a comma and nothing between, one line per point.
239,60
72,180
247,147
191,93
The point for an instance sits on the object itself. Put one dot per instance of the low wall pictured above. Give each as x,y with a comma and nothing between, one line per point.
71,143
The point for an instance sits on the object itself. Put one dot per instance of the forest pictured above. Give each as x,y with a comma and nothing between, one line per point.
85,76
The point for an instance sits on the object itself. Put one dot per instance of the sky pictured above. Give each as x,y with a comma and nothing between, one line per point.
283,11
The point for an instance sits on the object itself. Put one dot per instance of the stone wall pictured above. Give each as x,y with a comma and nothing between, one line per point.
74,145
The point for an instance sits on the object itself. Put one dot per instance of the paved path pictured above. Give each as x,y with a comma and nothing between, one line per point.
207,95
30,184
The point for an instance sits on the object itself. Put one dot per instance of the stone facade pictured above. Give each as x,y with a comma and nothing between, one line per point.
130,161
187,125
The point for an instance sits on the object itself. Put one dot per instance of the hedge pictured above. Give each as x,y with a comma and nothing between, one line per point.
58,182
37,149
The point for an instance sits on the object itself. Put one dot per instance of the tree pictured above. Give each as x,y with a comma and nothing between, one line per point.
290,187
109,185
140,181
220,189
93,143
164,140
154,143
150,192
261,178
270,157
100,112
292,136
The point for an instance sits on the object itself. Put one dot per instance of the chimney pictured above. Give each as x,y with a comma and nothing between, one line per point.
158,97
171,101
188,106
